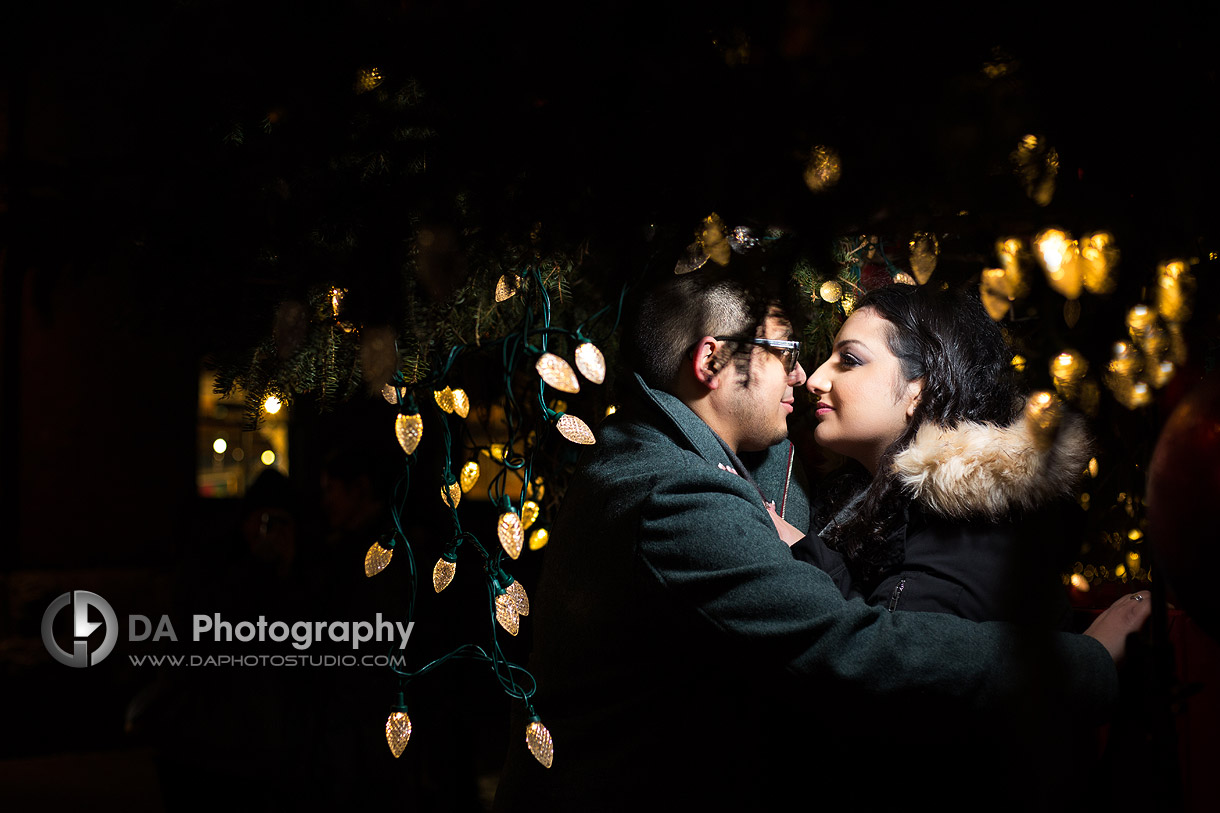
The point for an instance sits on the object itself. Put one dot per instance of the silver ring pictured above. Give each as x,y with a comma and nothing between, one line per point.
1137,597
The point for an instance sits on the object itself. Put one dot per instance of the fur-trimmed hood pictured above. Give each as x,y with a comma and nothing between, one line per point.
982,471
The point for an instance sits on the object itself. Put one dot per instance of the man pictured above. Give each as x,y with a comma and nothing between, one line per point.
679,647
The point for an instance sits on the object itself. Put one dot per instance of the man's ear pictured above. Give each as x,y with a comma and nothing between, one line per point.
705,363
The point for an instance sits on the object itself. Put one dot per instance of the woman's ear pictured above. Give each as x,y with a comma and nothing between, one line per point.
914,396
705,363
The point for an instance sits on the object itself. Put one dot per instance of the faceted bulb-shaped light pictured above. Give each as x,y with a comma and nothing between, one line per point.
591,362
451,494
506,286
461,403
512,536
529,513
575,430
442,573
390,393
469,475
506,614
409,429
540,744
557,372
444,399
521,601
377,559
397,732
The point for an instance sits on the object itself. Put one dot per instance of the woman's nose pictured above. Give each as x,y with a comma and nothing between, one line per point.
818,382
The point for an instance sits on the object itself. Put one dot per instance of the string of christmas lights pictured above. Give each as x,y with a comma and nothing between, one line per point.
508,600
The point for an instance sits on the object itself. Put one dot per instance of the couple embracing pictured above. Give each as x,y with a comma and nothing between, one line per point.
707,635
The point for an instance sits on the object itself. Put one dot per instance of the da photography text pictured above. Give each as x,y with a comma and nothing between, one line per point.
302,634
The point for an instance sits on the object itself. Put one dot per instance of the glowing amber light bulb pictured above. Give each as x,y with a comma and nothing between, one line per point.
377,559
1043,411
397,732
461,403
529,513
442,573
1080,582
538,538
591,362
1067,369
408,429
451,494
444,399
540,744
1125,361
469,476
367,79
924,248
1140,319
557,372
823,169
995,290
1059,256
1174,287
1100,257
512,536
272,405
831,290
390,393
575,430
1093,467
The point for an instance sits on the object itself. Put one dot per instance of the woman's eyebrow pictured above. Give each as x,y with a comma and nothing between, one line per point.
845,342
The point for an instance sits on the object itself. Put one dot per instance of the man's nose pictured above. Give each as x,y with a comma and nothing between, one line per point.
797,376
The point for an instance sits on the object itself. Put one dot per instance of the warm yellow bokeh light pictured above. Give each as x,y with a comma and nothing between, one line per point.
268,457
272,405
219,445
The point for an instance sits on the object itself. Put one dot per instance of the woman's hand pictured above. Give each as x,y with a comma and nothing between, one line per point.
787,531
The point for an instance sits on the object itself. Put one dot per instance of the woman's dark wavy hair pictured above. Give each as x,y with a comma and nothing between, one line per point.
946,338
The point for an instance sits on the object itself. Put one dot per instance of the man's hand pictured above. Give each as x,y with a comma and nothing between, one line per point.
787,531
1120,619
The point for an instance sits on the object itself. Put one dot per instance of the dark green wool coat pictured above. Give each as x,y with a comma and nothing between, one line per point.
679,648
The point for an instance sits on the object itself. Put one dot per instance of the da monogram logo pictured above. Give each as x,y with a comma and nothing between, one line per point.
82,628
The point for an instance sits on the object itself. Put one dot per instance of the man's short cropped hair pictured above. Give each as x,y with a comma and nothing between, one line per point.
675,313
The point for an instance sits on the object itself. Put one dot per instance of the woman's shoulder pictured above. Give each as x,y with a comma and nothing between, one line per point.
978,471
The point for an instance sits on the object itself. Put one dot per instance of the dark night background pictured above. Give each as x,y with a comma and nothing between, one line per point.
141,192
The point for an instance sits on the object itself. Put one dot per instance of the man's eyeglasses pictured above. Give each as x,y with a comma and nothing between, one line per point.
789,352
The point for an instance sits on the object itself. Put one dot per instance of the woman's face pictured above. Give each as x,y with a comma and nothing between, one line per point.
864,403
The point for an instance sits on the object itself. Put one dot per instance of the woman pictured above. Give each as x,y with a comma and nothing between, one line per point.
952,510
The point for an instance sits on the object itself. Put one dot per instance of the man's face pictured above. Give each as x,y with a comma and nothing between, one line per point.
760,408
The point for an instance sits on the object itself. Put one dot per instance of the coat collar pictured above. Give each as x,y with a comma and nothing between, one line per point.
699,437
982,471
